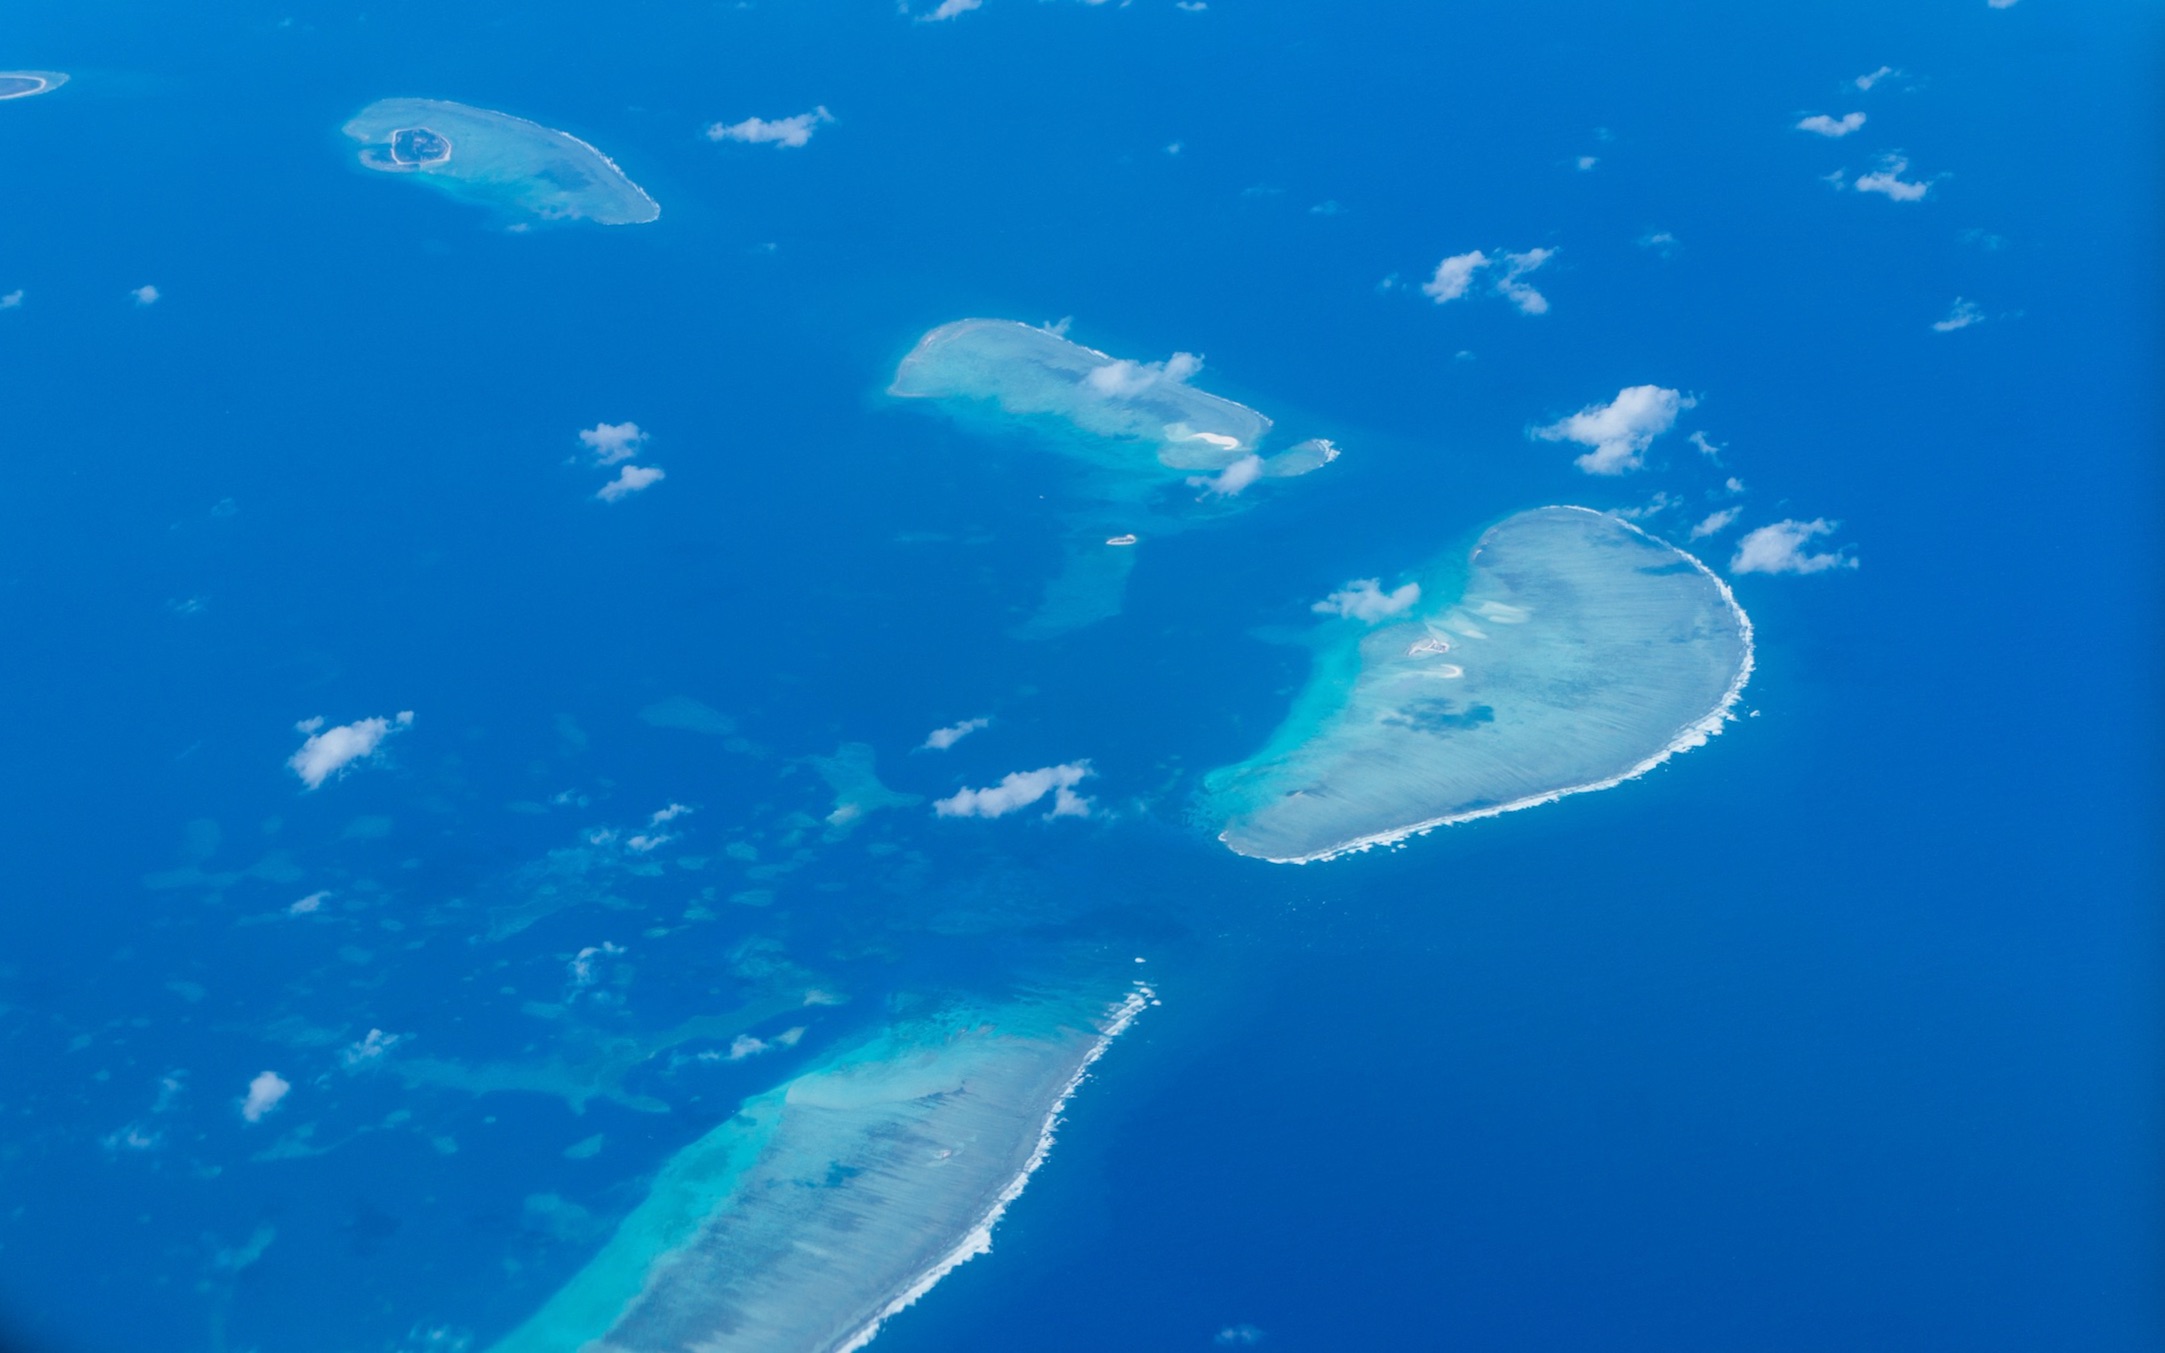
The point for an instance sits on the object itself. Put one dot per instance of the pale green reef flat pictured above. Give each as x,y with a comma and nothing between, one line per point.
22,84
838,1198
501,161
1140,416
1571,652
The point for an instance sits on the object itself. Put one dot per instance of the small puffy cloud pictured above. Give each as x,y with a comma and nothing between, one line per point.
264,1094
1888,180
1529,301
1822,125
1454,275
1961,315
13,300
309,904
940,739
1232,479
1715,523
1661,242
782,131
1619,431
1706,447
1364,599
630,480
330,751
1784,547
1867,80
145,295
1018,790
369,1049
948,9
612,442
1123,379
2001,4
1586,162
669,814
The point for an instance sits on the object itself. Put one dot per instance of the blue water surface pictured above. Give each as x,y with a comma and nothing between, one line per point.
1840,1032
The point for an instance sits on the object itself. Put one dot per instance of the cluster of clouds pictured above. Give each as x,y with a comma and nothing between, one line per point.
1123,379
1019,790
1618,433
1786,547
779,132
330,752
616,444
949,9
1455,276
1365,600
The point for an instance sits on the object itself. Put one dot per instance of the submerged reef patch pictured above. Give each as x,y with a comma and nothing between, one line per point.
498,160
1576,653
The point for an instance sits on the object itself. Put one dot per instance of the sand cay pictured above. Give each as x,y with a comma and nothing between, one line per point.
1582,652
497,160
832,1202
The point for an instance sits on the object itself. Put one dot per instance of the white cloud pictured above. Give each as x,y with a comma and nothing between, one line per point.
1620,431
311,903
1831,126
13,300
940,739
1454,275
1123,379
369,1049
630,480
1586,162
1232,479
1706,447
329,751
948,9
1715,523
1661,242
1529,301
612,442
1866,81
669,814
1888,179
264,1093
1782,548
1019,789
782,131
2002,4
145,295
1961,315
1365,599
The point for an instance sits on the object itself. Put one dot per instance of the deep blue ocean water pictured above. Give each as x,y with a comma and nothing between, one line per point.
1841,1032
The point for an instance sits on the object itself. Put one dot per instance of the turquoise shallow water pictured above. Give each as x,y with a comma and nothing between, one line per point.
1837,1032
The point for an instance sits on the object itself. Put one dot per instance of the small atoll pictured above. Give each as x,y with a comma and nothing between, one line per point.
498,160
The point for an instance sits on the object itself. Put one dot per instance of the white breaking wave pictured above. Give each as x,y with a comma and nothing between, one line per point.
978,1240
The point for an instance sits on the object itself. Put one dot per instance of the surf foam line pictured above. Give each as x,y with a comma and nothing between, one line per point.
979,1238
1692,735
